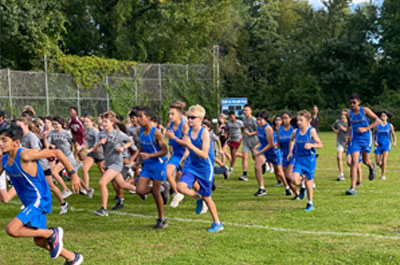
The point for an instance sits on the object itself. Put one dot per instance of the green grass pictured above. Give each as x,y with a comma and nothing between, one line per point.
120,239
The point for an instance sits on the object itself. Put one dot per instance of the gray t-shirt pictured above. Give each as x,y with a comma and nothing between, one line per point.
132,132
62,140
91,139
31,141
214,141
235,130
251,125
341,136
114,139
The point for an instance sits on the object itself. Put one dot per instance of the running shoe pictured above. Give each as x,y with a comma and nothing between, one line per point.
288,192
351,191
201,206
296,198
143,197
82,192
302,193
66,193
309,207
89,194
161,223
119,205
165,192
178,197
260,192
101,212
215,227
55,242
278,183
78,259
340,177
64,208
243,178
372,172
227,172
359,183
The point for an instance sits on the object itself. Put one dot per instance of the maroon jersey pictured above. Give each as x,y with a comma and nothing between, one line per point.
77,130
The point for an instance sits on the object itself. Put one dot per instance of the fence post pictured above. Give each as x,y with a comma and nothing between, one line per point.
78,101
108,95
9,87
135,80
160,81
187,72
46,84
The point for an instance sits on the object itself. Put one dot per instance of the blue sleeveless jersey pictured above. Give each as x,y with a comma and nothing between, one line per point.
177,149
300,141
31,190
150,147
202,168
284,139
359,121
262,137
383,135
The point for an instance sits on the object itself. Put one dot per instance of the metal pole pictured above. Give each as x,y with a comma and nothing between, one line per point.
187,72
9,88
135,80
160,86
108,95
78,101
46,84
216,74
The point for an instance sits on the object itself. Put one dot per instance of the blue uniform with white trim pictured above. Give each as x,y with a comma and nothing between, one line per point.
383,138
284,140
360,142
153,168
177,149
199,169
33,191
305,159
273,155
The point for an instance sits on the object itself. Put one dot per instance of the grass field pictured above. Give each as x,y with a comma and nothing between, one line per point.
362,229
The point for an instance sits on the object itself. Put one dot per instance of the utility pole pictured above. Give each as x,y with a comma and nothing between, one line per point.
216,75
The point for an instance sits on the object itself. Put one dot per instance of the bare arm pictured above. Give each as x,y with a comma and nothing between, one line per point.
370,114
203,152
270,137
393,135
32,155
291,145
315,137
159,139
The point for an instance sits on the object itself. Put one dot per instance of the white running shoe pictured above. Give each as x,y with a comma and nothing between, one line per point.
271,170
205,208
178,197
64,208
340,177
66,193
89,194
383,178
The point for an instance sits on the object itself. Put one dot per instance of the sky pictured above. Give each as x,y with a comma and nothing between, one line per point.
318,3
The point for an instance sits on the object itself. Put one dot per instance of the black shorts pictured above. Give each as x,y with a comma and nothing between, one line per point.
47,172
96,159
223,141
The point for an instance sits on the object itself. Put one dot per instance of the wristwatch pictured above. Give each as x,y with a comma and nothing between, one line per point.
70,173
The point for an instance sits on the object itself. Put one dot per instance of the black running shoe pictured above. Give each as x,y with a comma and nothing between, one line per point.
372,172
118,206
296,198
161,223
226,173
288,192
264,168
165,192
260,192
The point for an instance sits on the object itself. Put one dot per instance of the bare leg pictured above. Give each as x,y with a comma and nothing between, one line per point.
339,162
158,198
309,187
384,161
245,161
212,208
233,156
171,178
260,160
184,189
354,163
53,188
87,164
279,174
108,176
54,171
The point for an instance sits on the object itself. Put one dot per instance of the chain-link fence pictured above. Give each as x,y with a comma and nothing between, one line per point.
53,93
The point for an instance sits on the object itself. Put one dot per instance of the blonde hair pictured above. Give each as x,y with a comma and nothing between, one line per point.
29,108
109,115
198,110
305,113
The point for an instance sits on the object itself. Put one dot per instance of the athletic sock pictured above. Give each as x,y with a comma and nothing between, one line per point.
120,199
262,188
64,203
287,187
244,173
310,202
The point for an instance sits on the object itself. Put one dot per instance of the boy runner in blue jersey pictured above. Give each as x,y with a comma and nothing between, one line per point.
360,139
152,151
201,166
31,186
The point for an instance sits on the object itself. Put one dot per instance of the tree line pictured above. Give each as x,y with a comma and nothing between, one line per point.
278,53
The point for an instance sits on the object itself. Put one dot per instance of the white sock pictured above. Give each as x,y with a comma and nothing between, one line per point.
287,187
262,187
310,202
